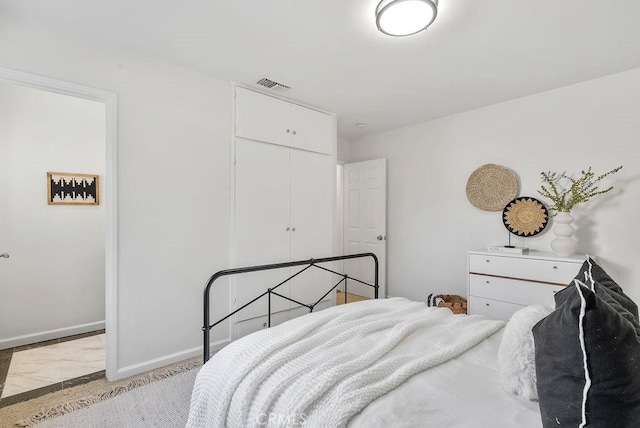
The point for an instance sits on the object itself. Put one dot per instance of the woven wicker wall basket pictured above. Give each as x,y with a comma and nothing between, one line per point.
491,187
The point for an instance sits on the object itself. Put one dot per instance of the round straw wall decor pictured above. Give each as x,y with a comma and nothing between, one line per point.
525,216
491,187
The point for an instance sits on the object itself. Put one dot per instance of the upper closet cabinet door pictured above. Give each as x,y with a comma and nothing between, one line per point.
312,130
262,118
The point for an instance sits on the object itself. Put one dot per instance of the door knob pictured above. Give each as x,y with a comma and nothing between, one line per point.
380,237
5,255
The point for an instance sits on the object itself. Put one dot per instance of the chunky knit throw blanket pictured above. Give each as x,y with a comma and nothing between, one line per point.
325,367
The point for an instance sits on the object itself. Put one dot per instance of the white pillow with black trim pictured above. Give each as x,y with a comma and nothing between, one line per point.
516,355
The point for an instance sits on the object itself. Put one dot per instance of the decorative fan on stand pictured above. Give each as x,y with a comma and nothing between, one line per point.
525,216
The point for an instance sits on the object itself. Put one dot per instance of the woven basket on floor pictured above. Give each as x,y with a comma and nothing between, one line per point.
457,304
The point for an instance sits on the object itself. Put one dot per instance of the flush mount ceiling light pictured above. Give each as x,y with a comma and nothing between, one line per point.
405,17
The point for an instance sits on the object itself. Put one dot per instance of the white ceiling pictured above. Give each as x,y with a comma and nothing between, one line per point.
477,53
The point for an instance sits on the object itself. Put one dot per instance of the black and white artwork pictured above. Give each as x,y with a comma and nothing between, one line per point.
65,188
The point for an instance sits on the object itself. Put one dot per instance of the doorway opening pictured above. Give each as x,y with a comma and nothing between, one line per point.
47,126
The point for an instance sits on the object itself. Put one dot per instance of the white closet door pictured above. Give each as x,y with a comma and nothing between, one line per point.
313,130
312,186
261,222
262,118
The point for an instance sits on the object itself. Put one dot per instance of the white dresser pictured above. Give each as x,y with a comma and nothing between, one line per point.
500,283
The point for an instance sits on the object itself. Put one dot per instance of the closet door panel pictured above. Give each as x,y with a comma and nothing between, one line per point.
312,216
261,222
262,118
313,130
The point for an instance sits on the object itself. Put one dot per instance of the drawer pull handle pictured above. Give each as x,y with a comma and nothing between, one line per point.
487,261
555,267
487,304
488,282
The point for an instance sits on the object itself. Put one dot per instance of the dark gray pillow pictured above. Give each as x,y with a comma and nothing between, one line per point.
591,270
610,342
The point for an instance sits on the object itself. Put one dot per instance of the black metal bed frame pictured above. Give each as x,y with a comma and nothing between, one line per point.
309,263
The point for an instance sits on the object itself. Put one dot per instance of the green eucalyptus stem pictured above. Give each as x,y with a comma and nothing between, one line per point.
566,192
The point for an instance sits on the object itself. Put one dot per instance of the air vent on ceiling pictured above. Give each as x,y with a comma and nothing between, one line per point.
274,86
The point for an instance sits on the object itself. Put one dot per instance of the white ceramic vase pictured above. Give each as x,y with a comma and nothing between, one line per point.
563,245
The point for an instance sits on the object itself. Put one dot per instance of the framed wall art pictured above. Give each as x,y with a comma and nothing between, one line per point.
65,188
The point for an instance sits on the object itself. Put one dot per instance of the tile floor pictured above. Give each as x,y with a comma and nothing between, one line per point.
30,371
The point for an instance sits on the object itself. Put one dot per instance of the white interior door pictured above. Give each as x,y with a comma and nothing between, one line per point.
365,220
262,223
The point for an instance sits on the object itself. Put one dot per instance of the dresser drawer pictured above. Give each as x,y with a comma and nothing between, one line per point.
493,309
554,271
512,290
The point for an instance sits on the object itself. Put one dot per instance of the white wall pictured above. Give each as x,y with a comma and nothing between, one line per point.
343,150
173,185
54,279
431,224
342,155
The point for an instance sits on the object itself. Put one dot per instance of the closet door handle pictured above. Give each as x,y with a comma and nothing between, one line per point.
293,229
4,255
294,132
288,130
287,229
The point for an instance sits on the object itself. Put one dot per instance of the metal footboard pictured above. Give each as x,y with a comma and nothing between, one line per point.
308,264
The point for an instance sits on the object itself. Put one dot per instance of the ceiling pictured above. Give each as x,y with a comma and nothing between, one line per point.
476,53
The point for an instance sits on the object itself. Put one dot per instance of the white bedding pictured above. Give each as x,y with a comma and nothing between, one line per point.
324,368
462,393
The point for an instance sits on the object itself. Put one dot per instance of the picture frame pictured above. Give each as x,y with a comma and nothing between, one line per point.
64,188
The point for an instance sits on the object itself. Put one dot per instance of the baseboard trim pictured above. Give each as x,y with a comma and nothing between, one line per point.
28,339
155,363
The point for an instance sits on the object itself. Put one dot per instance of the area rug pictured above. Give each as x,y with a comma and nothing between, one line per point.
57,404
164,404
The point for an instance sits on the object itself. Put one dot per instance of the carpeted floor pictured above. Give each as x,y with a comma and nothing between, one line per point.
53,405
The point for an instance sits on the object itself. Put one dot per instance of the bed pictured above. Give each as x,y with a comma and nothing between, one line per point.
394,362
364,364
